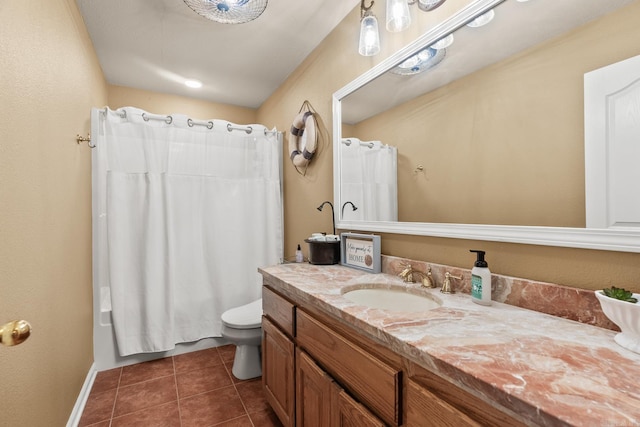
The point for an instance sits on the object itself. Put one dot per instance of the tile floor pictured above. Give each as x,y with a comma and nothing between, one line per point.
190,390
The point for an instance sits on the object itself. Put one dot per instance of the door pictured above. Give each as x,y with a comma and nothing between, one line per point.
349,413
612,145
313,393
278,378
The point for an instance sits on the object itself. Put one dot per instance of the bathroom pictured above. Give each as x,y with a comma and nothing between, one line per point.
50,80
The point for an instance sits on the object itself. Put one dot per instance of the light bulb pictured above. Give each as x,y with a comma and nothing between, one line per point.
481,20
398,17
443,42
369,36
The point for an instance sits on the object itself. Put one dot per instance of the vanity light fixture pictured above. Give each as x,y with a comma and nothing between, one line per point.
483,19
228,11
369,36
443,43
428,5
398,16
422,61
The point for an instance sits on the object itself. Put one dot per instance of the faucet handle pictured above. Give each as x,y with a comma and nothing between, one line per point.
407,273
446,286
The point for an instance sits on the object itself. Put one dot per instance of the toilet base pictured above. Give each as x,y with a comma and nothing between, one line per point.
247,364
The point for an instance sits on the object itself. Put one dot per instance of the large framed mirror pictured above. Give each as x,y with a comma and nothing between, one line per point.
484,138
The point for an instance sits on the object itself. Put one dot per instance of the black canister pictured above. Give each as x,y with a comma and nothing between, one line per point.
323,253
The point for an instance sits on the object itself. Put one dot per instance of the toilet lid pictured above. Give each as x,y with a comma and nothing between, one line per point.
248,316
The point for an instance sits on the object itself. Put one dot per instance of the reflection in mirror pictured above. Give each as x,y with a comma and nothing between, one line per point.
491,133
495,118
369,180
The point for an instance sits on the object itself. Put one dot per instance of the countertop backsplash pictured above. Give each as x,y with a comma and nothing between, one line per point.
570,303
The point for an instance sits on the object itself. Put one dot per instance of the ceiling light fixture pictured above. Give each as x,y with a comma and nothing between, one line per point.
228,11
196,84
369,36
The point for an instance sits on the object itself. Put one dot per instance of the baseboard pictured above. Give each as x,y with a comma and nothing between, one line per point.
78,408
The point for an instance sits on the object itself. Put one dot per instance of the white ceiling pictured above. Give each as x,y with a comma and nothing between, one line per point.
157,44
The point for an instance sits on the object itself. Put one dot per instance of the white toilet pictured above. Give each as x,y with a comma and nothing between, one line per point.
242,326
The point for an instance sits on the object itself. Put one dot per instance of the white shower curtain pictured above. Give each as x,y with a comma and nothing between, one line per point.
369,175
185,214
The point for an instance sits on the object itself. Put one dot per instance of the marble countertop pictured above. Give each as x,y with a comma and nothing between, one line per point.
548,370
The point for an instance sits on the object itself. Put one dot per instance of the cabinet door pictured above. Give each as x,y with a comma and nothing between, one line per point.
349,413
370,380
313,393
278,372
425,408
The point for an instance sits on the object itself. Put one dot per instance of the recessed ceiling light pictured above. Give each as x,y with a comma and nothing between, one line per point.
193,83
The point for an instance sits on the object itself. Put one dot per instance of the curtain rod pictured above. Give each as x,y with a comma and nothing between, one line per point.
191,122
169,119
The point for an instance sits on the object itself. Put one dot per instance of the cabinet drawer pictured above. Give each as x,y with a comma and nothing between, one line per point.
370,380
279,310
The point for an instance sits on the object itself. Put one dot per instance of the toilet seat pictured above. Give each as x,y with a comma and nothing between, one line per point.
248,316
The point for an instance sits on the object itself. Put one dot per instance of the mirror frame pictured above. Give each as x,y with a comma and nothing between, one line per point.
610,239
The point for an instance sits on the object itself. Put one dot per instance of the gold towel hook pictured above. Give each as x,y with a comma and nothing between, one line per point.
80,139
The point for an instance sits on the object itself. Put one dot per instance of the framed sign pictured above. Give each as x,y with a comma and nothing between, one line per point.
361,251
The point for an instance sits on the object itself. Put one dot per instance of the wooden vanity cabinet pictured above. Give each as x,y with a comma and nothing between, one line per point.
301,392
316,371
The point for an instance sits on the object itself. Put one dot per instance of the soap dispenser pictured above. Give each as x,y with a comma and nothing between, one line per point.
480,280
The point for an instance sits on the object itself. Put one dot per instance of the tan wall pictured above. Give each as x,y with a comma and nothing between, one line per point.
331,66
336,62
49,80
160,103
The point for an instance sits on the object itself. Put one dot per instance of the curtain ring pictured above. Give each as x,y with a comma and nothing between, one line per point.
249,130
209,124
228,127
190,122
168,120
144,117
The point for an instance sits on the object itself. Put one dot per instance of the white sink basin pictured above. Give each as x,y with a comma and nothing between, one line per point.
392,299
